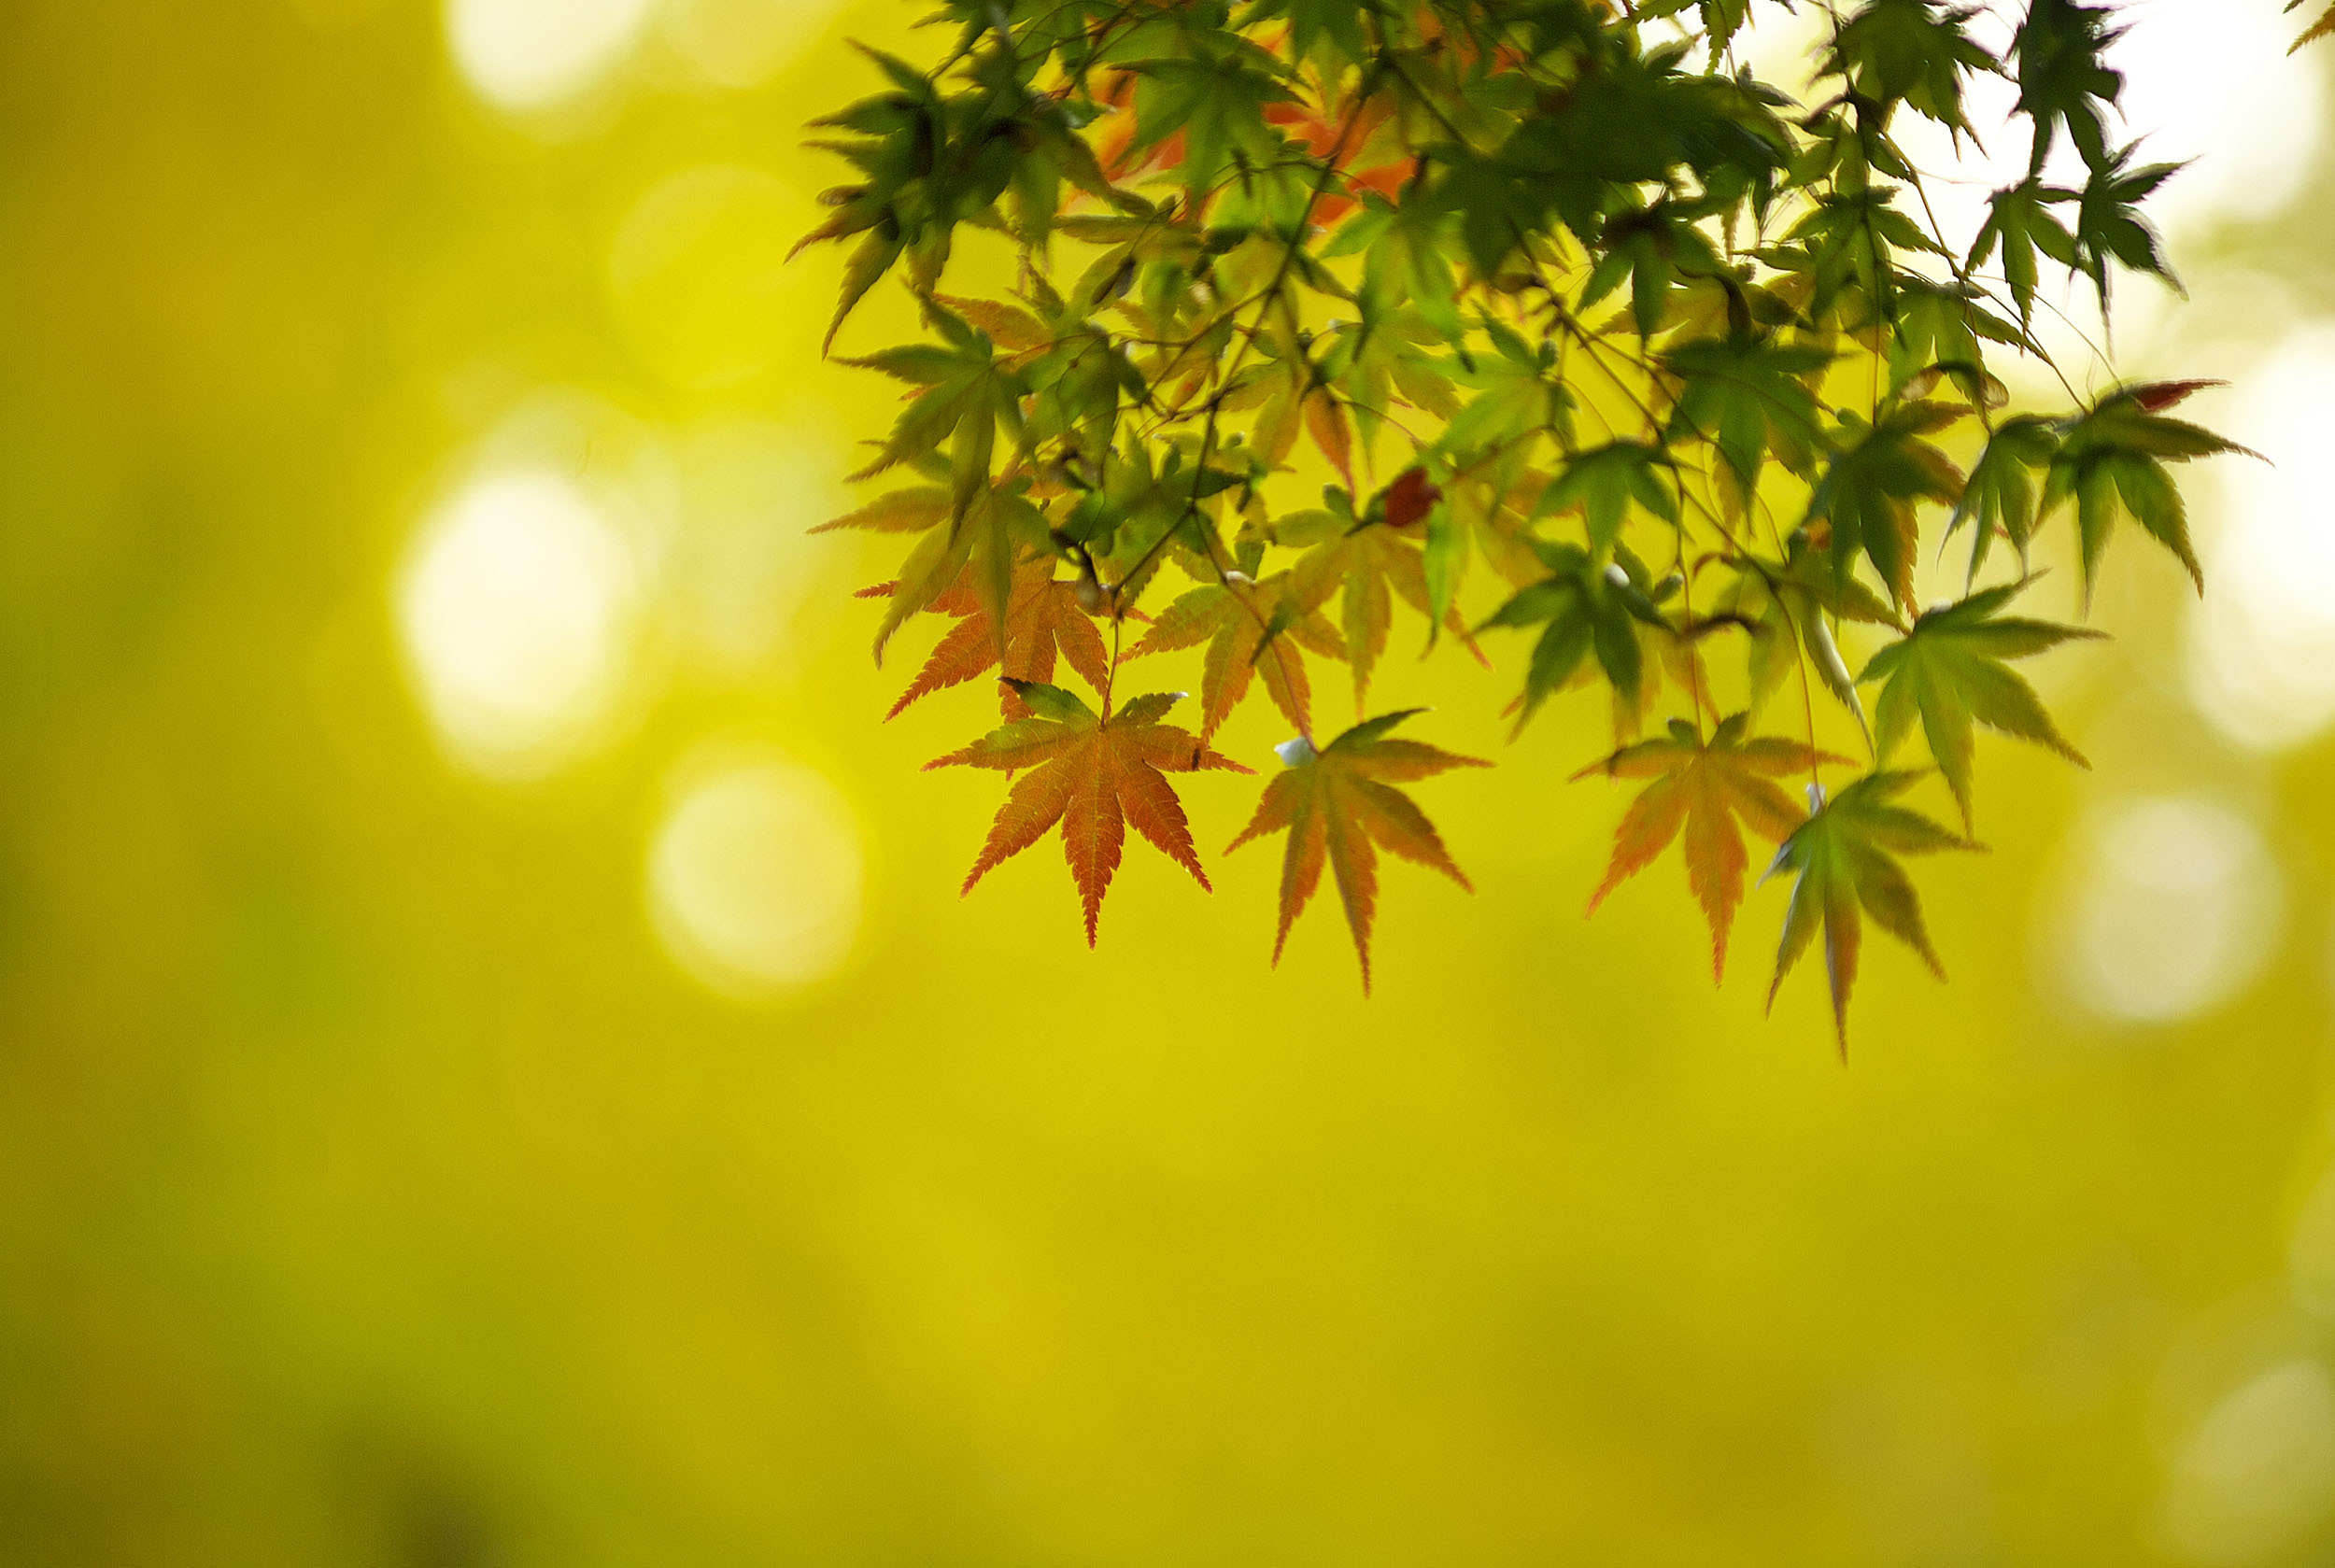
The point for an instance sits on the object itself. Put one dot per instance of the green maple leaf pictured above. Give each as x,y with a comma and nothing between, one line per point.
1910,50
1649,248
1588,609
963,393
2108,222
2110,462
1217,104
1336,804
1871,491
1848,240
1749,397
1787,607
1843,860
1939,328
1602,483
2019,222
1405,257
1709,790
1949,672
988,536
1521,392
1722,19
2063,80
1316,23
2000,496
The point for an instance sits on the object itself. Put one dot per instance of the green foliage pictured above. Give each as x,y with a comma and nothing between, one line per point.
1950,672
1594,299
1843,860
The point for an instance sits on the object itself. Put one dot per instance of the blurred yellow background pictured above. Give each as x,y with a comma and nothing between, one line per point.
494,1070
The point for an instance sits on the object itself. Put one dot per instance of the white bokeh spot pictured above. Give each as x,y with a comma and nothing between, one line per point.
2258,1473
518,608
740,44
2262,644
2172,907
755,877
531,55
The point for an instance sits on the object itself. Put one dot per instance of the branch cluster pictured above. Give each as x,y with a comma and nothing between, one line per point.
1555,297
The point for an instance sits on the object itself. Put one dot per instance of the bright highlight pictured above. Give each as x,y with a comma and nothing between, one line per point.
2176,909
755,880
523,55
517,612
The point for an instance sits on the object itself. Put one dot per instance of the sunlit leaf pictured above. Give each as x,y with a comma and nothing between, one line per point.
1337,803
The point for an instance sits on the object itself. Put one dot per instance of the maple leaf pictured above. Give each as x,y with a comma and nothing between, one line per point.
1650,248
1403,248
1875,482
909,511
1949,672
1042,621
1748,398
2109,225
1589,609
1366,566
2322,28
2064,78
1339,802
1410,498
1519,393
1217,105
2113,459
1709,789
1093,773
1999,497
1910,49
1788,608
1721,17
1602,482
978,547
1234,617
1842,855
2019,220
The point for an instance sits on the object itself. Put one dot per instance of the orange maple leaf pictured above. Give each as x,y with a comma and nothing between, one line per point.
1335,803
1321,131
1233,619
1708,789
1094,774
1042,620
1366,567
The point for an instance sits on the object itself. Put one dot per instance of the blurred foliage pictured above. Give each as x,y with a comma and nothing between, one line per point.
374,1191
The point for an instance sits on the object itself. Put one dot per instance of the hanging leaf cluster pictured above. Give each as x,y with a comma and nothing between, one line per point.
1257,334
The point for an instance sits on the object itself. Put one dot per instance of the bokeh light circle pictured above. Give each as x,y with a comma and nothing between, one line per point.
740,44
755,877
2258,1473
523,55
517,610
2262,644
2174,908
